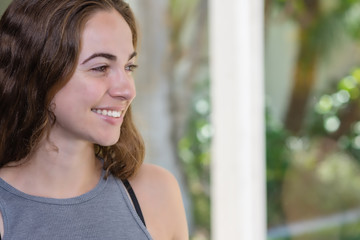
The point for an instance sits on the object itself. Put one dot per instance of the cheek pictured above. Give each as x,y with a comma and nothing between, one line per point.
93,91
76,93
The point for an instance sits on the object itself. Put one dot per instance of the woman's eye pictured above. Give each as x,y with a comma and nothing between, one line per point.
131,67
100,68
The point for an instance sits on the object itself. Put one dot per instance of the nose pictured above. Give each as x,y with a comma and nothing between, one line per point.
122,85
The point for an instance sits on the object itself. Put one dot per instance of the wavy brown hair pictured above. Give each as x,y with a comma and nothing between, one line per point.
39,50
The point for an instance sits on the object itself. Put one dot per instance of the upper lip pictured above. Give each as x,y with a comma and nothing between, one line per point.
118,109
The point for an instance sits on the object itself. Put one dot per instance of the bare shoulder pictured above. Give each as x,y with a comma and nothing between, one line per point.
160,199
150,174
156,184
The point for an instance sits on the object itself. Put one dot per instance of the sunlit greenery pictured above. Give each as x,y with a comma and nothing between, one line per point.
277,156
194,151
337,114
321,168
323,156
313,157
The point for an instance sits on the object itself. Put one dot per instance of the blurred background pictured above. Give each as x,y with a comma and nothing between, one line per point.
312,79
312,111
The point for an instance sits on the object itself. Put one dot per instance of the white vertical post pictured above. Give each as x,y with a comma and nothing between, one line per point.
238,162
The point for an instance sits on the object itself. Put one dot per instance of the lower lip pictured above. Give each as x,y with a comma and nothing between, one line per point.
111,120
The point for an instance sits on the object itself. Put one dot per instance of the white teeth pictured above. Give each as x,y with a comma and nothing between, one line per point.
109,113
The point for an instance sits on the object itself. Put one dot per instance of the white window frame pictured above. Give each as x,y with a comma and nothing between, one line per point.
237,90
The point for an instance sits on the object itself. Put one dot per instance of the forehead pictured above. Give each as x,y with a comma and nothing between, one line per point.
106,31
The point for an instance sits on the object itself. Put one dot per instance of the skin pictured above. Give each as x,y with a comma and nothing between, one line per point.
102,80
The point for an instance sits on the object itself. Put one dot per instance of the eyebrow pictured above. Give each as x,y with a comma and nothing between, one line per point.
107,56
104,55
134,54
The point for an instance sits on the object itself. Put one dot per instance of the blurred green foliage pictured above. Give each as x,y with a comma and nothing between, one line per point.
313,172
327,27
337,114
334,118
194,151
277,156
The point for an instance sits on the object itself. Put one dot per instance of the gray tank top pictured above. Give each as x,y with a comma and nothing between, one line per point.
105,212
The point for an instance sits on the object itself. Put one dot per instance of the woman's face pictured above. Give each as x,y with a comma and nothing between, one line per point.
92,105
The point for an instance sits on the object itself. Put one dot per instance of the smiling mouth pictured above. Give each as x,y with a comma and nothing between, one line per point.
109,113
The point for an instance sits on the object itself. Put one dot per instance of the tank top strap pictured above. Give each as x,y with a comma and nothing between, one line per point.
134,200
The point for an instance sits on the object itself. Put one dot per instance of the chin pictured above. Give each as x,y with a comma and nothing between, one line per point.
107,142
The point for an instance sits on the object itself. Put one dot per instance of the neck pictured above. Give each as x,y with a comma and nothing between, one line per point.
69,170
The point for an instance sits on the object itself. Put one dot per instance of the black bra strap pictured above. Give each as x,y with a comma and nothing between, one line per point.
134,200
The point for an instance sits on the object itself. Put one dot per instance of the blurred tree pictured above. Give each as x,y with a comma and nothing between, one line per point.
189,99
172,60
333,125
323,169
321,24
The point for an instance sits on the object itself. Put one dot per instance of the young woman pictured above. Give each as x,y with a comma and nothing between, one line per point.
70,157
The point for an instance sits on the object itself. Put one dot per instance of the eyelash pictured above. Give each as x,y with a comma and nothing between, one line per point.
131,67
100,68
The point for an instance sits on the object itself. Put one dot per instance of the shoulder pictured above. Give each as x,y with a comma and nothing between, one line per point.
160,199
153,175
155,184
